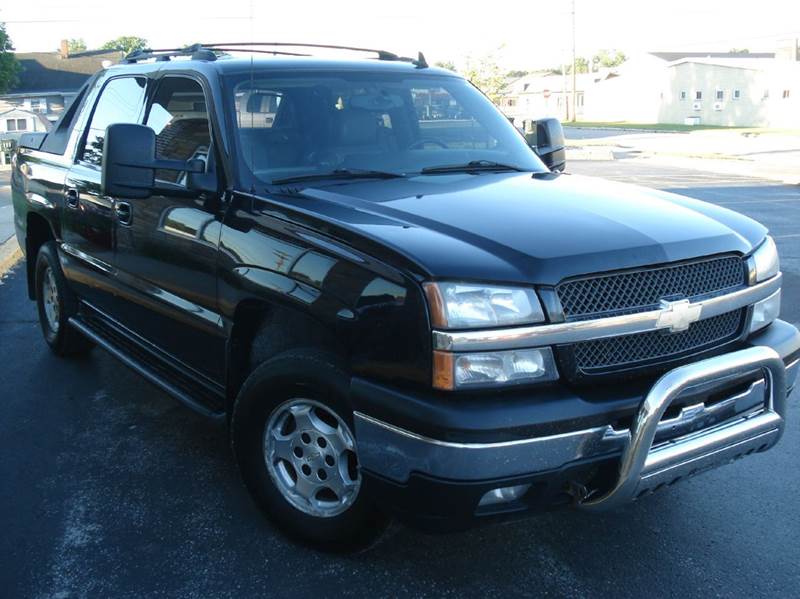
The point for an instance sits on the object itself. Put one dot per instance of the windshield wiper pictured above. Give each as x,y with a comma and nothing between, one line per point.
472,166
340,173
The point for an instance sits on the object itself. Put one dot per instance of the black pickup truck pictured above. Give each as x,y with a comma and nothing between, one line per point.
396,301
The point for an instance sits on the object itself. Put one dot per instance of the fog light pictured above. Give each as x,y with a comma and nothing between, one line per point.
765,311
503,495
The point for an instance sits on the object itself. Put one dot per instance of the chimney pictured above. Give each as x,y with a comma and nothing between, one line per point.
63,51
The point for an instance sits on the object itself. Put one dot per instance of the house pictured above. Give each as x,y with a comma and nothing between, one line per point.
548,94
714,88
15,121
732,92
743,89
49,81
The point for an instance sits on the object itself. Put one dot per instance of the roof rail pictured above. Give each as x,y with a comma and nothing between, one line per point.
418,62
196,52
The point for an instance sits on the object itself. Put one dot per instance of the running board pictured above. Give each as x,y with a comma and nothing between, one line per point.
168,379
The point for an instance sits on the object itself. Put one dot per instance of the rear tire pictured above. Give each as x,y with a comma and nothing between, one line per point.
291,433
56,304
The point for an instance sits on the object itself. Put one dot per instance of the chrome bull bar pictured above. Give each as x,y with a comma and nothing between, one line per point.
644,468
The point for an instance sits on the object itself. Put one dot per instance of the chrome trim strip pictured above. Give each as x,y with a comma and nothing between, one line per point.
643,467
84,257
583,330
395,452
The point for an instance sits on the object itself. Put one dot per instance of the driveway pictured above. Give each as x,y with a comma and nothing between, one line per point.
110,488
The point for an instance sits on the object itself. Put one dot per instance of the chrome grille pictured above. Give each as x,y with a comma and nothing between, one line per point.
615,353
641,290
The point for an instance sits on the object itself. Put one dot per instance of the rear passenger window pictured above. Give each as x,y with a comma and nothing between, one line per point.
121,101
179,117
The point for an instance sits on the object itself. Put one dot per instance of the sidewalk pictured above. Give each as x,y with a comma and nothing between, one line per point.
9,250
771,156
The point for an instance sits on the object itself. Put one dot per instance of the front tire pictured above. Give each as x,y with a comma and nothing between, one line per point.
291,432
56,304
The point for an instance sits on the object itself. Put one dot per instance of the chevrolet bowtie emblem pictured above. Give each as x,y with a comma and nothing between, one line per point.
677,316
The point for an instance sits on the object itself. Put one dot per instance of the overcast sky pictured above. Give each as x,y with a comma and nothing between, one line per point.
533,33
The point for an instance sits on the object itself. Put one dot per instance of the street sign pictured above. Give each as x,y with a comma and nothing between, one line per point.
546,93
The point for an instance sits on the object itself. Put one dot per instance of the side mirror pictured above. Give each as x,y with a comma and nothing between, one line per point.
129,162
547,140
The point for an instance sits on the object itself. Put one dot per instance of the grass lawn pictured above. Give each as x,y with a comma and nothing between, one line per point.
645,126
678,127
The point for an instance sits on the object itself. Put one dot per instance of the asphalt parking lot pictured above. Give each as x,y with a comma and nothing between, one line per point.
111,489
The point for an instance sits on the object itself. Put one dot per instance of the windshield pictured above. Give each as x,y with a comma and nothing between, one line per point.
292,126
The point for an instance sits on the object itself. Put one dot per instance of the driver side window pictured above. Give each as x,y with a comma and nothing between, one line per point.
179,116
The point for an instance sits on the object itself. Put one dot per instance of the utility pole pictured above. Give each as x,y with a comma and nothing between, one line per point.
574,65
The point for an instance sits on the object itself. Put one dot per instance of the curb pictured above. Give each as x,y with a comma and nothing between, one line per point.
10,255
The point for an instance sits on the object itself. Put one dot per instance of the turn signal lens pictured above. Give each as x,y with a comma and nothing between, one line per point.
765,311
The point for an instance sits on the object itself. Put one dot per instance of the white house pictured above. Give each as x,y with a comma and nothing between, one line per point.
715,88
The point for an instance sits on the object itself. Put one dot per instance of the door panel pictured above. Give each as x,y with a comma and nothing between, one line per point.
166,256
88,215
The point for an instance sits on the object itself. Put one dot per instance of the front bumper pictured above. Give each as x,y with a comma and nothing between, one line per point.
694,418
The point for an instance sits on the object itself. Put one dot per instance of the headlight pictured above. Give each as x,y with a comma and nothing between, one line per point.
765,261
492,369
469,306
765,311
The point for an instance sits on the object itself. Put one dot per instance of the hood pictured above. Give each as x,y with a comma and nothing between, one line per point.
514,227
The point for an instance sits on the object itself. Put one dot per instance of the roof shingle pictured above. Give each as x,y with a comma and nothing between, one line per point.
48,71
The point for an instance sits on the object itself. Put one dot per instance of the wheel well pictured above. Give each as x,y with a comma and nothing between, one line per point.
262,331
37,233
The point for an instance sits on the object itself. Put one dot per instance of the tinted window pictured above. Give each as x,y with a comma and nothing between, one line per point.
296,124
179,117
121,101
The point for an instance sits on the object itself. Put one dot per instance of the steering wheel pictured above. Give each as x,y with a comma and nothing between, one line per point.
416,145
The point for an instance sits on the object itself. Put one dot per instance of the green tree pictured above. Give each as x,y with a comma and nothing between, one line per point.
76,45
581,65
485,74
9,66
608,58
516,74
739,51
126,43
446,64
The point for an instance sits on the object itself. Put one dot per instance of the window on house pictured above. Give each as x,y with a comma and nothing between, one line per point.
683,96
39,104
720,95
579,100
785,94
766,95
737,94
16,124
698,95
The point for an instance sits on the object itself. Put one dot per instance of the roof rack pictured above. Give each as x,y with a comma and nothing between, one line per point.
196,52
382,54
208,52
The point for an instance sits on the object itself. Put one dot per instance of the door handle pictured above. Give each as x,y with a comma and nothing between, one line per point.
72,198
124,212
